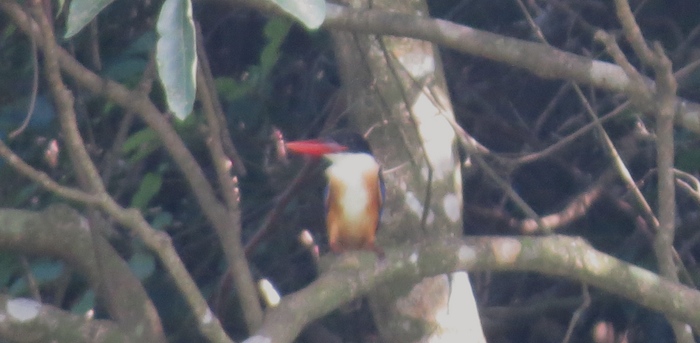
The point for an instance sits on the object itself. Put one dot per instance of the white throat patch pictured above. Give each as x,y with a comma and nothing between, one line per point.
350,169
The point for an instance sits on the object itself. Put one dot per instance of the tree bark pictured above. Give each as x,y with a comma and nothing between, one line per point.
397,93
59,231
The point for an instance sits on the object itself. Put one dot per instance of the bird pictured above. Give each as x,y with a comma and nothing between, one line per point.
354,195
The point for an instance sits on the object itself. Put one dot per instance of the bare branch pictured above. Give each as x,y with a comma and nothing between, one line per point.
356,274
60,232
231,237
26,320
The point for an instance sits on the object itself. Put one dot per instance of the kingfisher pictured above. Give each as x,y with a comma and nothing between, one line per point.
354,193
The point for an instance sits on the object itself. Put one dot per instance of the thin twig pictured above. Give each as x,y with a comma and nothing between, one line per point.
665,108
157,241
576,317
550,150
43,179
227,144
33,94
231,236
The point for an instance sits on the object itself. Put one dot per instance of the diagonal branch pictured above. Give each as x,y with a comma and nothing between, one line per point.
231,238
61,232
161,244
539,59
26,320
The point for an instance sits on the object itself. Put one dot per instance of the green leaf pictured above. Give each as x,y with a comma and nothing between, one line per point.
47,270
126,70
43,271
162,220
86,303
142,265
276,31
311,13
150,186
8,266
81,12
688,160
176,55
138,139
24,194
59,5
128,66
143,153
232,90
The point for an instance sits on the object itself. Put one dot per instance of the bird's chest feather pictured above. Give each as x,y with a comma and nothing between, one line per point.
353,196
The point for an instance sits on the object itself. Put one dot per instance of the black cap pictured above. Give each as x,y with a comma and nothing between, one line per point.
350,139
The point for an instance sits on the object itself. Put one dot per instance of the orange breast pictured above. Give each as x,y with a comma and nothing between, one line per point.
353,211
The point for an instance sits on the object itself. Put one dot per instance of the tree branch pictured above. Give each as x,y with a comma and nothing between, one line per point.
60,232
158,242
63,99
539,59
354,275
26,320
233,245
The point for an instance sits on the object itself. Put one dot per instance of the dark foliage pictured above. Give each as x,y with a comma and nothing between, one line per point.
508,110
